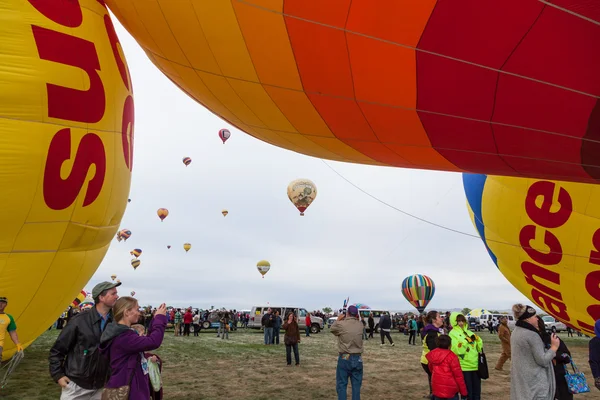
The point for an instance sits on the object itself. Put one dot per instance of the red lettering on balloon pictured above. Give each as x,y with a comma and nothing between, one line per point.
556,308
114,41
592,284
532,270
64,12
553,257
542,215
585,326
67,103
127,126
595,254
61,193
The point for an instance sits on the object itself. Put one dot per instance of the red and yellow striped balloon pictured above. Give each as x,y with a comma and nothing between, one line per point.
500,87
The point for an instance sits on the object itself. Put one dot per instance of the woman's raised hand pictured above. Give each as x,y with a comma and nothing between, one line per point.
161,310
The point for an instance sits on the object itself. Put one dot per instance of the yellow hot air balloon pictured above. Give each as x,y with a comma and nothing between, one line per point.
302,192
118,281
66,129
544,237
224,212
263,267
113,276
162,213
136,252
187,247
135,263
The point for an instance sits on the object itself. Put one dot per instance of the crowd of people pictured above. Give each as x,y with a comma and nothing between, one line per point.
107,351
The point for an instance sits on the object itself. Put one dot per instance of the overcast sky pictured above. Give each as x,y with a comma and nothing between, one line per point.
347,244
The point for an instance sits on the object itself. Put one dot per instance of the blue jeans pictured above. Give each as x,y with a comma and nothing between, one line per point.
351,368
268,335
275,339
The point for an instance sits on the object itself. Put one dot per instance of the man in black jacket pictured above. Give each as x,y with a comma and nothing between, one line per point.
75,361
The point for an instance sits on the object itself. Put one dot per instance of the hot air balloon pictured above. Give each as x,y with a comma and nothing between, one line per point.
418,290
86,304
162,213
544,237
124,234
113,276
187,161
135,263
129,200
491,100
224,212
65,177
168,246
187,247
224,134
118,281
136,252
302,192
132,293
263,267
80,298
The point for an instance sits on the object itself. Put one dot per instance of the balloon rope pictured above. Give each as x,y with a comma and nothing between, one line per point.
545,251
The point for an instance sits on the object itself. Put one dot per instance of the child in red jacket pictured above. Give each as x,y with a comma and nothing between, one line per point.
447,379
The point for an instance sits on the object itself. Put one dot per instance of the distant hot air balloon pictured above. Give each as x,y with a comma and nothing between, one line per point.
302,192
187,247
263,267
129,200
224,134
168,246
187,161
118,281
418,290
124,234
132,293
162,213
86,304
113,276
136,252
79,299
224,212
135,263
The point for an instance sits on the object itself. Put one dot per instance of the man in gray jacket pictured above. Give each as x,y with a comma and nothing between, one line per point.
349,332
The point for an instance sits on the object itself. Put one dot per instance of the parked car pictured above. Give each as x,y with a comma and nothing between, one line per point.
257,313
553,325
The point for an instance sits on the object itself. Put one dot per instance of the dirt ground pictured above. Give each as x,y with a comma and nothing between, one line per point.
206,367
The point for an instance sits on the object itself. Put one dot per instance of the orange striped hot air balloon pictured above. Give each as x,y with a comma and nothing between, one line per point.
187,161
162,213
136,252
135,263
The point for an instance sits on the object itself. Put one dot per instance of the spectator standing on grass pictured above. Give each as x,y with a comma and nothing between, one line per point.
7,324
267,321
371,321
467,346
276,328
178,319
154,395
196,323
126,349
412,329
504,335
75,360
562,360
308,322
187,321
428,335
364,323
291,338
594,355
349,332
385,325
447,380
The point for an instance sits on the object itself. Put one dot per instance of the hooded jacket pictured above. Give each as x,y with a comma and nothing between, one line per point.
428,335
465,344
446,376
125,347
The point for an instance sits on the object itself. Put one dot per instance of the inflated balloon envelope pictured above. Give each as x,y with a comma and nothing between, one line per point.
544,236
66,143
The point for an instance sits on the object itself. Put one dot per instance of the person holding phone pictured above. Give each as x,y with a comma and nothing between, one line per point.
532,372
125,348
291,338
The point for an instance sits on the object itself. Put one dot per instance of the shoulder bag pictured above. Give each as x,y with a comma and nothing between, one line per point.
120,393
576,380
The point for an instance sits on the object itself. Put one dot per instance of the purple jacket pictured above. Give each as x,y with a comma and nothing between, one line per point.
123,346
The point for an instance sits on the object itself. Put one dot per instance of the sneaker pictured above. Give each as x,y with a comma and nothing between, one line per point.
393,344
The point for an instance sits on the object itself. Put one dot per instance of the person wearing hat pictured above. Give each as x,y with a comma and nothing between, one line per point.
76,363
7,324
349,332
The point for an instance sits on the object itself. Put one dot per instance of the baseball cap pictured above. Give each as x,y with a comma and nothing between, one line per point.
352,310
101,287
4,299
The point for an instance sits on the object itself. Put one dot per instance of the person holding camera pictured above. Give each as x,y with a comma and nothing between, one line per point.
291,338
349,332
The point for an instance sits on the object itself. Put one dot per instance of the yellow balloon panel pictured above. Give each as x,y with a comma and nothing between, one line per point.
544,236
66,140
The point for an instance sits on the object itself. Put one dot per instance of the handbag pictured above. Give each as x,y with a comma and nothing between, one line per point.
120,393
482,366
576,381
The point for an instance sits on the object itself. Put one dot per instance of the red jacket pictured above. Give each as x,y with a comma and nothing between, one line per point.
188,318
446,376
307,320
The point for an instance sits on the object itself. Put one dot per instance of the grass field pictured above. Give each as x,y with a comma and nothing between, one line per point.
206,367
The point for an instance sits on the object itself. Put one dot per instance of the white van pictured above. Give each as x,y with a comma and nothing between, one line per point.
485,318
257,313
376,316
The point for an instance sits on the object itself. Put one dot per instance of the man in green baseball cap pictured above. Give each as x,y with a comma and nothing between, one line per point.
75,360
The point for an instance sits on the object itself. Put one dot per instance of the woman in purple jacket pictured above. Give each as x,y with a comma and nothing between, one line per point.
125,348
